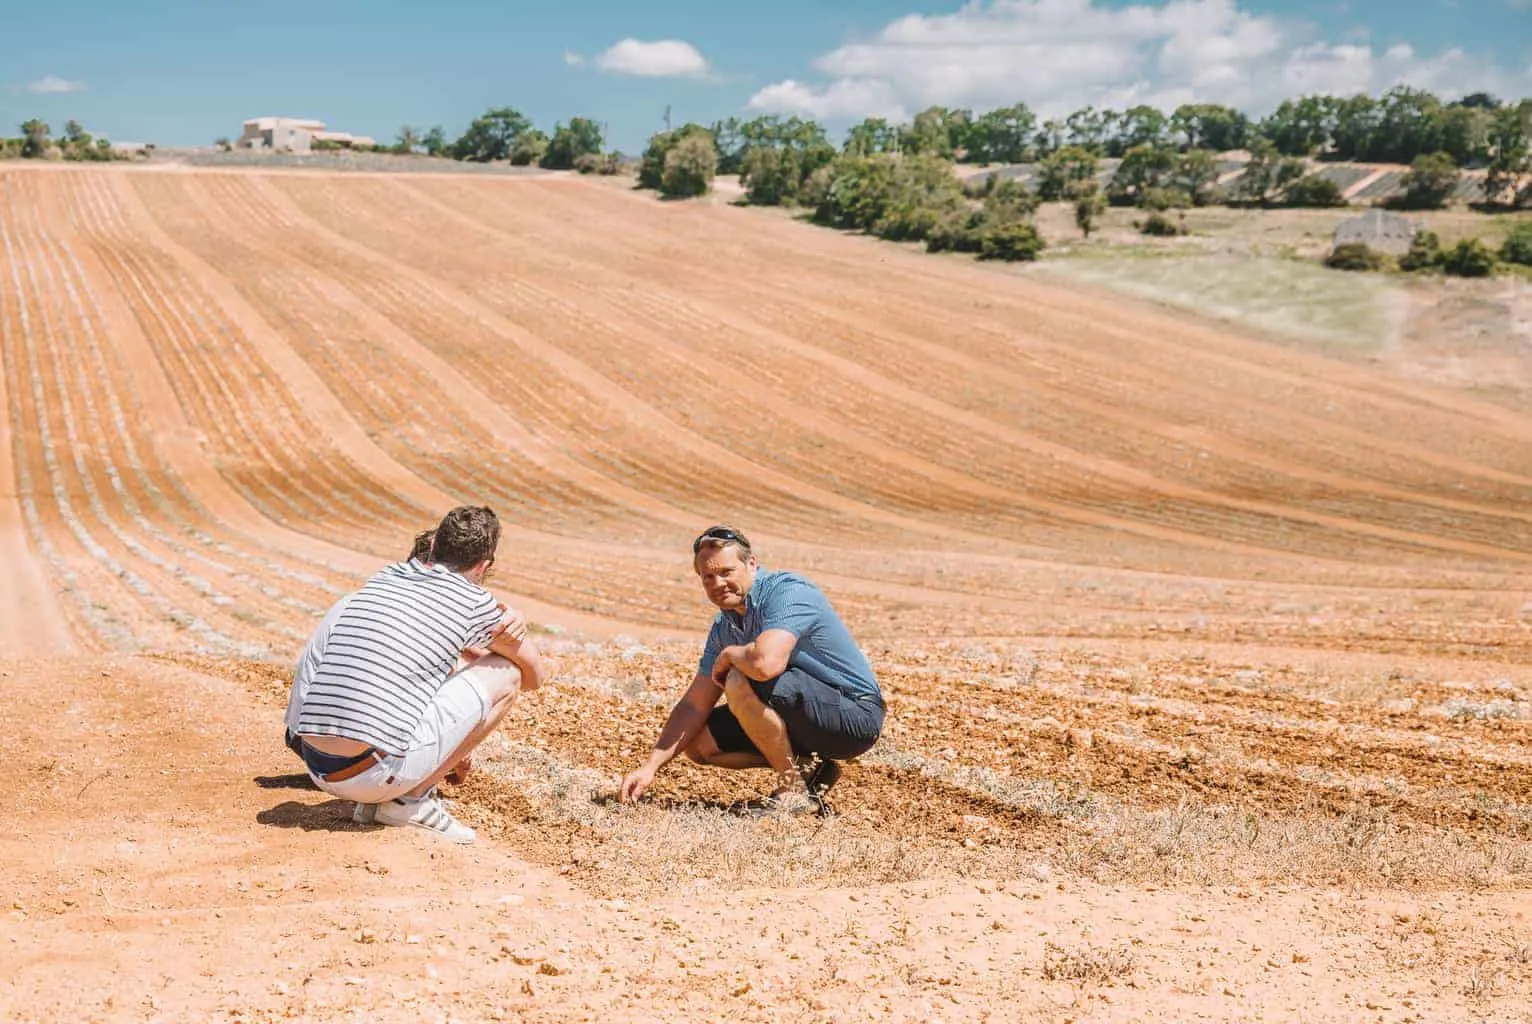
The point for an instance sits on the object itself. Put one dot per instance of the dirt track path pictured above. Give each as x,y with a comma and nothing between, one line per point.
172,866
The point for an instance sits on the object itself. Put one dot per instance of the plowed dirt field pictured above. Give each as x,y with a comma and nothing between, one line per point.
1208,661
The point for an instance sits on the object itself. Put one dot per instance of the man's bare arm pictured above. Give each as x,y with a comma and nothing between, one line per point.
523,653
765,658
685,723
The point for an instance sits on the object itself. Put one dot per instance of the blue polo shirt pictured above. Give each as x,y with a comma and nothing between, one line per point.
825,649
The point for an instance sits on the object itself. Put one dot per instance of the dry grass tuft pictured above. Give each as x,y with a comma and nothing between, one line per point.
1087,963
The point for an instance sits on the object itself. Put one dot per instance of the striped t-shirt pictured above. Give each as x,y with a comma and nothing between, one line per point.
389,650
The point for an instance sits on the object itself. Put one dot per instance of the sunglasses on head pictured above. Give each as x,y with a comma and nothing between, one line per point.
720,533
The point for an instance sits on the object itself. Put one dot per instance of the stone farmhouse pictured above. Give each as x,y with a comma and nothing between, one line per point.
295,135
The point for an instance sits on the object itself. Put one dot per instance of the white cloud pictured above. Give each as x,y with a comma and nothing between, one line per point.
1060,55
662,58
574,60
50,84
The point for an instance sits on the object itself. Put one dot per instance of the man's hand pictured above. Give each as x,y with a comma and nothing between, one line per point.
721,666
512,623
634,784
512,627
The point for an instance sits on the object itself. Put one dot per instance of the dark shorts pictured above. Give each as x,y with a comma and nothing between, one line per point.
820,719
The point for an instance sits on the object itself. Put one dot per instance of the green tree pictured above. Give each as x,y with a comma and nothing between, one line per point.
1050,138
1256,182
930,133
1358,120
1001,136
1510,146
1061,169
873,135
1464,133
1209,126
1089,205
1196,171
580,137
406,139
690,165
1089,129
1409,127
35,138
1430,182
435,141
1300,127
492,135
1143,167
1142,126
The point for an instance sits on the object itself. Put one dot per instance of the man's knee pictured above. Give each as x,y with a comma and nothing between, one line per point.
497,677
737,688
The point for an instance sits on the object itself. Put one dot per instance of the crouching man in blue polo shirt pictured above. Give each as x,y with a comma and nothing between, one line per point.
799,695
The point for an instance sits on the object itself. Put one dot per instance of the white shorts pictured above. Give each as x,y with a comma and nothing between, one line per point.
459,707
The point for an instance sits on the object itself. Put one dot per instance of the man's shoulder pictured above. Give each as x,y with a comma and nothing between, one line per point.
775,582
437,577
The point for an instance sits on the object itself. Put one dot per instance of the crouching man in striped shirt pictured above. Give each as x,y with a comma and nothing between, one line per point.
386,711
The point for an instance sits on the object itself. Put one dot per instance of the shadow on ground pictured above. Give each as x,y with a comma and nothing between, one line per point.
330,816
297,780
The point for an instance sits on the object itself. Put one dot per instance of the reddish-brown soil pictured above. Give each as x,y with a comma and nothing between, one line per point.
1207,660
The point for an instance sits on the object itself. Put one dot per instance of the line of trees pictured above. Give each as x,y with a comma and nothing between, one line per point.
1404,125
505,133
36,142
1396,127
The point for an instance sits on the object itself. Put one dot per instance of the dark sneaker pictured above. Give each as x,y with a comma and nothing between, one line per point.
823,777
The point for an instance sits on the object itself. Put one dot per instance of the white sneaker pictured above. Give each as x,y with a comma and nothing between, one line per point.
364,814
424,812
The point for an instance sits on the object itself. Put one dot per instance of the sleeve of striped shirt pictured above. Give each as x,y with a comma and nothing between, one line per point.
483,620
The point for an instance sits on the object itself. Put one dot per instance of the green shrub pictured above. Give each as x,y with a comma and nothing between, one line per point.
911,218
1011,241
1469,258
1011,198
1431,180
816,187
1161,226
1354,256
530,148
1313,191
1088,206
958,234
597,163
1517,247
1425,252
651,167
858,191
690,167
1160,199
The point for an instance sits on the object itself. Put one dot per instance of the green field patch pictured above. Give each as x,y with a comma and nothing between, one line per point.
1351,313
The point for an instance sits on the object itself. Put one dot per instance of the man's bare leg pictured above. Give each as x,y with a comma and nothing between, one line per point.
704,750
501,680
766,730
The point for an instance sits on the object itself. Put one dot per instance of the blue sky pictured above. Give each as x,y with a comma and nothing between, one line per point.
176,72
